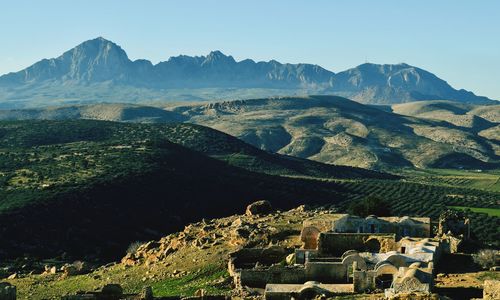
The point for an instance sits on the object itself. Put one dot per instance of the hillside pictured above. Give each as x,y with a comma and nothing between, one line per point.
101,185
339,131
86,190
334,130
107,112
98,70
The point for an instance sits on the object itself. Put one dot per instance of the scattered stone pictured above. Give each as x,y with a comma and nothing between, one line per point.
200,293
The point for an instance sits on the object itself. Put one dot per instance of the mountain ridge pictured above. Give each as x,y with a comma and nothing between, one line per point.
95,69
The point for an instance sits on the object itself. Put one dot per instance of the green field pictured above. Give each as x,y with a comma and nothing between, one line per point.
493,212
484,180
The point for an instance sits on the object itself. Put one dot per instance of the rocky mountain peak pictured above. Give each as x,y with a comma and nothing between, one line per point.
218,57
99,61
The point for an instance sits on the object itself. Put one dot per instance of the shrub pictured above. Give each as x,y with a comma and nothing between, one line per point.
132,248
370,205
486,258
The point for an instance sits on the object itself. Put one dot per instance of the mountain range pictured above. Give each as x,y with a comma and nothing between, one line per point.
99,70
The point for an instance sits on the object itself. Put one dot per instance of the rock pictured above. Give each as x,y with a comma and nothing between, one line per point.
259,208
129,260
70,270
112,290
76,268
13,276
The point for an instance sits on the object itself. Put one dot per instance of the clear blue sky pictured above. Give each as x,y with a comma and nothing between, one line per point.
457,40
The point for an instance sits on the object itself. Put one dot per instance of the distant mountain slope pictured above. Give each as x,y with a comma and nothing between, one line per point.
99,70
343,132
385,84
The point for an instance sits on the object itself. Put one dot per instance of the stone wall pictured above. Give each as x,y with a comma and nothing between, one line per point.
326,272
248,257
363,280
405,226
335,244
258,278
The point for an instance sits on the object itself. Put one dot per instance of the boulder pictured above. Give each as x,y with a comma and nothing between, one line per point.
259,208
129,260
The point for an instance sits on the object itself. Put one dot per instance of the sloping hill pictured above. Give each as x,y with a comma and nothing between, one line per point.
471,116
327,129
92,187
108,112
343,132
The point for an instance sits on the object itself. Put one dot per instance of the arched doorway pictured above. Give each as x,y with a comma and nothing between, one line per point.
385,275
372,245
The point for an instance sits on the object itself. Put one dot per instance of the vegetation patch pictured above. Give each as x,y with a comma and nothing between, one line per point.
494,212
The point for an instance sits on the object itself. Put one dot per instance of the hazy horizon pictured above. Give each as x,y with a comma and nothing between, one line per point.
452,39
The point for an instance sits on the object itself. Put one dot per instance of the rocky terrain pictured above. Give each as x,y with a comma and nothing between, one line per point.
194,260
99,70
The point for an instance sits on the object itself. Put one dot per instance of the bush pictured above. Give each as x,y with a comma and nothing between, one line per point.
486,258
370,206
132,248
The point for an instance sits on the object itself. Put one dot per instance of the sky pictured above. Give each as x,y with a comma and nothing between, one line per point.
457,40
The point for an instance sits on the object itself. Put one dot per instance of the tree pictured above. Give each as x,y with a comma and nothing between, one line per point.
370,205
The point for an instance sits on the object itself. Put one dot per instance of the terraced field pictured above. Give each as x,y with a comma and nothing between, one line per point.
421,199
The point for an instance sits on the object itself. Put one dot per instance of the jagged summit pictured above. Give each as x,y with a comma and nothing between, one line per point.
105,71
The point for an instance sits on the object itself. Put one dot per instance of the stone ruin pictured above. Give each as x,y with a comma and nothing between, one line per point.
454,223
343,254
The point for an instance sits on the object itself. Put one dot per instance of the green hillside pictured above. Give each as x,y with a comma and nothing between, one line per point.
90,188
105,184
